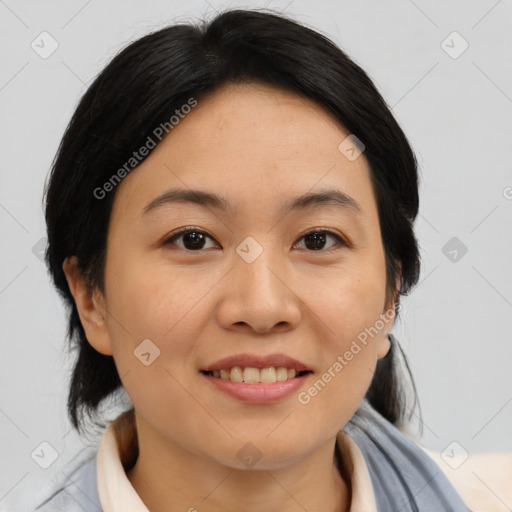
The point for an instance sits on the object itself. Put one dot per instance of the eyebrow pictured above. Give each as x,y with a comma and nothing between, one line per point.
329,197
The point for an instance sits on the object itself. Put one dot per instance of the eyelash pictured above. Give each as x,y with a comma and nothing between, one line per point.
341,242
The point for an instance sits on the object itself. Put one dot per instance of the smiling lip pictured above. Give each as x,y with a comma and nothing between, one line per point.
258,392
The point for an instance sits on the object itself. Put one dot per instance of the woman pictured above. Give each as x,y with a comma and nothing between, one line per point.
230,221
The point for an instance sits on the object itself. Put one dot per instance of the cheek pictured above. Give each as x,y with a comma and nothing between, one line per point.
349,312
350,354
347,299
154,300
153,304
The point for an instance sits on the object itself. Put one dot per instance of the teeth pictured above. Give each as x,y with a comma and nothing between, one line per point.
268,375
255,375
236,374
251,374
281,374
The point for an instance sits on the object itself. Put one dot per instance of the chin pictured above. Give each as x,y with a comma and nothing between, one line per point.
260,454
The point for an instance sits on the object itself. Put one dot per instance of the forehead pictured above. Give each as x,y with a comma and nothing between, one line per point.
254,144
254,114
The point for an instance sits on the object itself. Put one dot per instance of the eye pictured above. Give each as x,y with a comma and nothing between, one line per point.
193,239
316,240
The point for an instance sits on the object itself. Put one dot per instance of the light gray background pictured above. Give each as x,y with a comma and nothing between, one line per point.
456,112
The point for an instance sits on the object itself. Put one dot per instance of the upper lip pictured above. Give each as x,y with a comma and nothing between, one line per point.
256,361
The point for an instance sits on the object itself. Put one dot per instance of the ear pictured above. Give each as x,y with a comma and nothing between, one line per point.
393,292
90,304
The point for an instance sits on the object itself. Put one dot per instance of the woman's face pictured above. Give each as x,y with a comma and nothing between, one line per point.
249,285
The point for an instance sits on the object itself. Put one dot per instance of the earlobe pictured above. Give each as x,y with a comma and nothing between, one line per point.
90,305
384,346
388,318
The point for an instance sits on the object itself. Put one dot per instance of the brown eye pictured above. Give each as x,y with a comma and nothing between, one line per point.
192,239
316,240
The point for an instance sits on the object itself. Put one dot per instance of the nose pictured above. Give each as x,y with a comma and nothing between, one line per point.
259,296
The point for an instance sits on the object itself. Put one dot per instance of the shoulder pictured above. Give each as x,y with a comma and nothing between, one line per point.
78,493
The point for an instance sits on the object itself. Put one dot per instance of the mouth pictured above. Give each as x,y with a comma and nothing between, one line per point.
256,368
253,375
